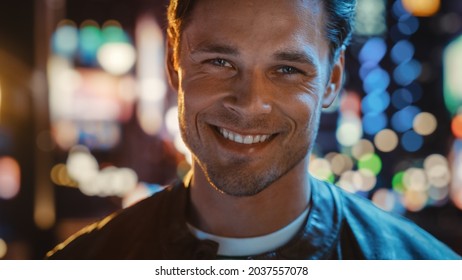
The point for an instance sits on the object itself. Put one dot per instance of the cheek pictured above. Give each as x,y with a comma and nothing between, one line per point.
304,109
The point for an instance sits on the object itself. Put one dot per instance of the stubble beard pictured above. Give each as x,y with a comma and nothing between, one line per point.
240,181
236,178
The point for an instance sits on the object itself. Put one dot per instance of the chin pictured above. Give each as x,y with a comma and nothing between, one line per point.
242,184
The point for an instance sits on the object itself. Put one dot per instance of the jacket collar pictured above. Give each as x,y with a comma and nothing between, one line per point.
316,240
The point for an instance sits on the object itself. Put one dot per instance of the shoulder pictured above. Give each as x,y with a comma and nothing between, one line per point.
124,233
378,234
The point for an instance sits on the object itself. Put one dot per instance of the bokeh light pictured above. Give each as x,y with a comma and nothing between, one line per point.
83,168
375,102
401,98
320,168
438,195
90,40
112,32
437,170
405,73
398,182
370,17
424,123
340,163
171,121
422,8
452,83
411,141
408,24
386,140
414,200
456,126
368,180
377,80
362,148
373,50
349,130
374,122
65,40
403,119
370,162
65,134
151,75
117,58
415,179
350,181
10,177
110,181
3,248
81,165
116,55
60,176
402,52
384,199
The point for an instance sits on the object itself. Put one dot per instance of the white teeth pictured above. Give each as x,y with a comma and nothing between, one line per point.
243,139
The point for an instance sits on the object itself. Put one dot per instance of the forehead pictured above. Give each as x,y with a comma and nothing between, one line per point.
260,20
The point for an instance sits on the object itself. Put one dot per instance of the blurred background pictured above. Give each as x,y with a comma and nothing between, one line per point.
88,124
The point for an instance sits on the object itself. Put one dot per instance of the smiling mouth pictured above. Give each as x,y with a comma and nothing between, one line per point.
243,139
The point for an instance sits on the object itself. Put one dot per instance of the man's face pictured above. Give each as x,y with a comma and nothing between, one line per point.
252,77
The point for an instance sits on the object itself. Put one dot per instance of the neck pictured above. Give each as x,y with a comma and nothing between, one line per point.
230,216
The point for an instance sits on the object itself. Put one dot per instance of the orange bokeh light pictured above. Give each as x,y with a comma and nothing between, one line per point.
456,126
422,8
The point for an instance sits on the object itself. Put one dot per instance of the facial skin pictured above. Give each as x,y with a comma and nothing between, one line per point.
252,77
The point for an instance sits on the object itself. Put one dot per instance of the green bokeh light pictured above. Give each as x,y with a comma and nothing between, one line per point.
371,162
397,182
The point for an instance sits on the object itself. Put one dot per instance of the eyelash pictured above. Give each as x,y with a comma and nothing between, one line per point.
286,70
220,62
289,70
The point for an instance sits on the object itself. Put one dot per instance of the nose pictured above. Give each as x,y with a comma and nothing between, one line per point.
250,95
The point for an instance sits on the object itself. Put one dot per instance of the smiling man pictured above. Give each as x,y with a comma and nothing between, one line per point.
252,77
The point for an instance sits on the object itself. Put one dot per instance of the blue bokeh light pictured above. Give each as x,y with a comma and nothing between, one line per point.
405,73
374,122
373,50
366,68
403,51
89,42
377,80
401,98
408,25
375,102
403,119
65,41
411,141
398,10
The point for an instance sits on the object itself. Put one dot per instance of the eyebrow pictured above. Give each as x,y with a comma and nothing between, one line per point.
285,55
295,56
216,48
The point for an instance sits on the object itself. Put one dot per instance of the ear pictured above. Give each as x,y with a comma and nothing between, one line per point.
172,69
335,81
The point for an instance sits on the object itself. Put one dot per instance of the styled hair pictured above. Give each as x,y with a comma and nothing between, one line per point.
338,29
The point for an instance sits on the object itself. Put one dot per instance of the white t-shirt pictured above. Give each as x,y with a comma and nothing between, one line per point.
238,247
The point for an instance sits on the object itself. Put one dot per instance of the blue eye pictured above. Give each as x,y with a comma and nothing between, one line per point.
289,70
220,62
